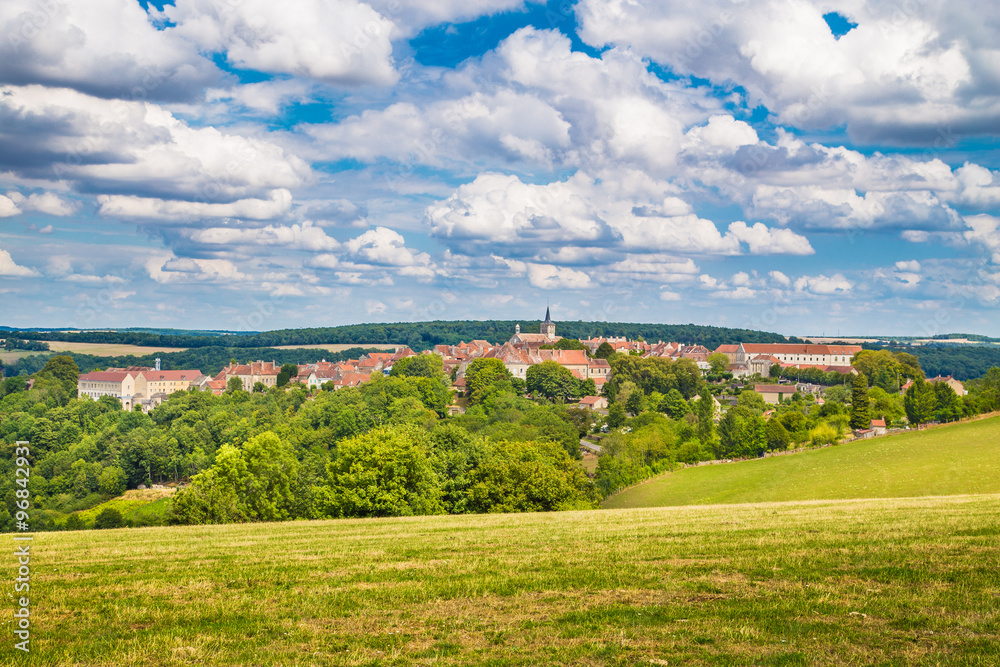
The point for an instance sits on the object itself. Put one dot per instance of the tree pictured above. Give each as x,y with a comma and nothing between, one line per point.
109,518
949,405
742,433
529,477
112,481
604,351
718,361
482,374
616,415
259,388
636,403
288,371
777,436
385,472
64,370
860,414
551,380
749,398
674,404
74,522
920,402
423,365
705,411
234,384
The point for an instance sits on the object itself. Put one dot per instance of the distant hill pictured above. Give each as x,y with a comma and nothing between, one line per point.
418,335
942,461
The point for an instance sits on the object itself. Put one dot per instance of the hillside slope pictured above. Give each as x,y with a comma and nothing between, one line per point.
889,582
942,461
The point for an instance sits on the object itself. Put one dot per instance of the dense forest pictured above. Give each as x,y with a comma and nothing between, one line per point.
963,362
209,360
418,335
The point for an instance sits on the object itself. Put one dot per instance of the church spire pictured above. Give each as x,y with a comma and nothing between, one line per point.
548,328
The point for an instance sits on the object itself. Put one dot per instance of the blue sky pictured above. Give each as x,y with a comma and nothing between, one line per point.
802,167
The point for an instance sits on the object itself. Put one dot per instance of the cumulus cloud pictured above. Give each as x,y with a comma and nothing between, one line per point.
547,276
823,285
169,269
385,247
147,208
412,16
614,210
985,231
300,237
8,267
50,203
135,149
334,41
7,207
105,48
900,75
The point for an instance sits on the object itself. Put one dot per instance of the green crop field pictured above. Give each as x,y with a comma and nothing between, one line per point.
887,582
947,460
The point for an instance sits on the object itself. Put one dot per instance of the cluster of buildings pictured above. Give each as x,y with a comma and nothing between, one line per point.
136,385
148,387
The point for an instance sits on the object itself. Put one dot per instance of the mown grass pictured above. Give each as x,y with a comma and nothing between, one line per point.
886,582
946,460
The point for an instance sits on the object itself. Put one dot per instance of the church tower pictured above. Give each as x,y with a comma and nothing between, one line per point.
548,326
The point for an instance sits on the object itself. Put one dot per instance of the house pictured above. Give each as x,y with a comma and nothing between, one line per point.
761,365
594,403
728,350
798,353
598,368
716,404
773,393
878,427
864,434
126,386
167,382
951,382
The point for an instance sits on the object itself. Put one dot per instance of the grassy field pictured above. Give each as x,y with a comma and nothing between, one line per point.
108,349
142,507
946,460
887,582
338,347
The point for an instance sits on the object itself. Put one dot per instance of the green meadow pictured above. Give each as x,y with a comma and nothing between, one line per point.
909,581
941,461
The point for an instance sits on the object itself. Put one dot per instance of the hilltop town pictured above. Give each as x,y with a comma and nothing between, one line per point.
138,387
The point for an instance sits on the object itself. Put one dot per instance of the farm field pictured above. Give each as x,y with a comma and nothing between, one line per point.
108,349
338,347
909,581
945,460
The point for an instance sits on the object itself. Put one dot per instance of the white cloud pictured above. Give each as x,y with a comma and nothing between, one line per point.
412,16
106,48
780,278
899,74
50,203
985,230
7,207
375,307
8,267
911,265
823,285
169,269
385,247
333,41
146,208
765,241
139,149
621,209
547,276
301,237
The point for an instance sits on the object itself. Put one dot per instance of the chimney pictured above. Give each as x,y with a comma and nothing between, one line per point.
157,364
